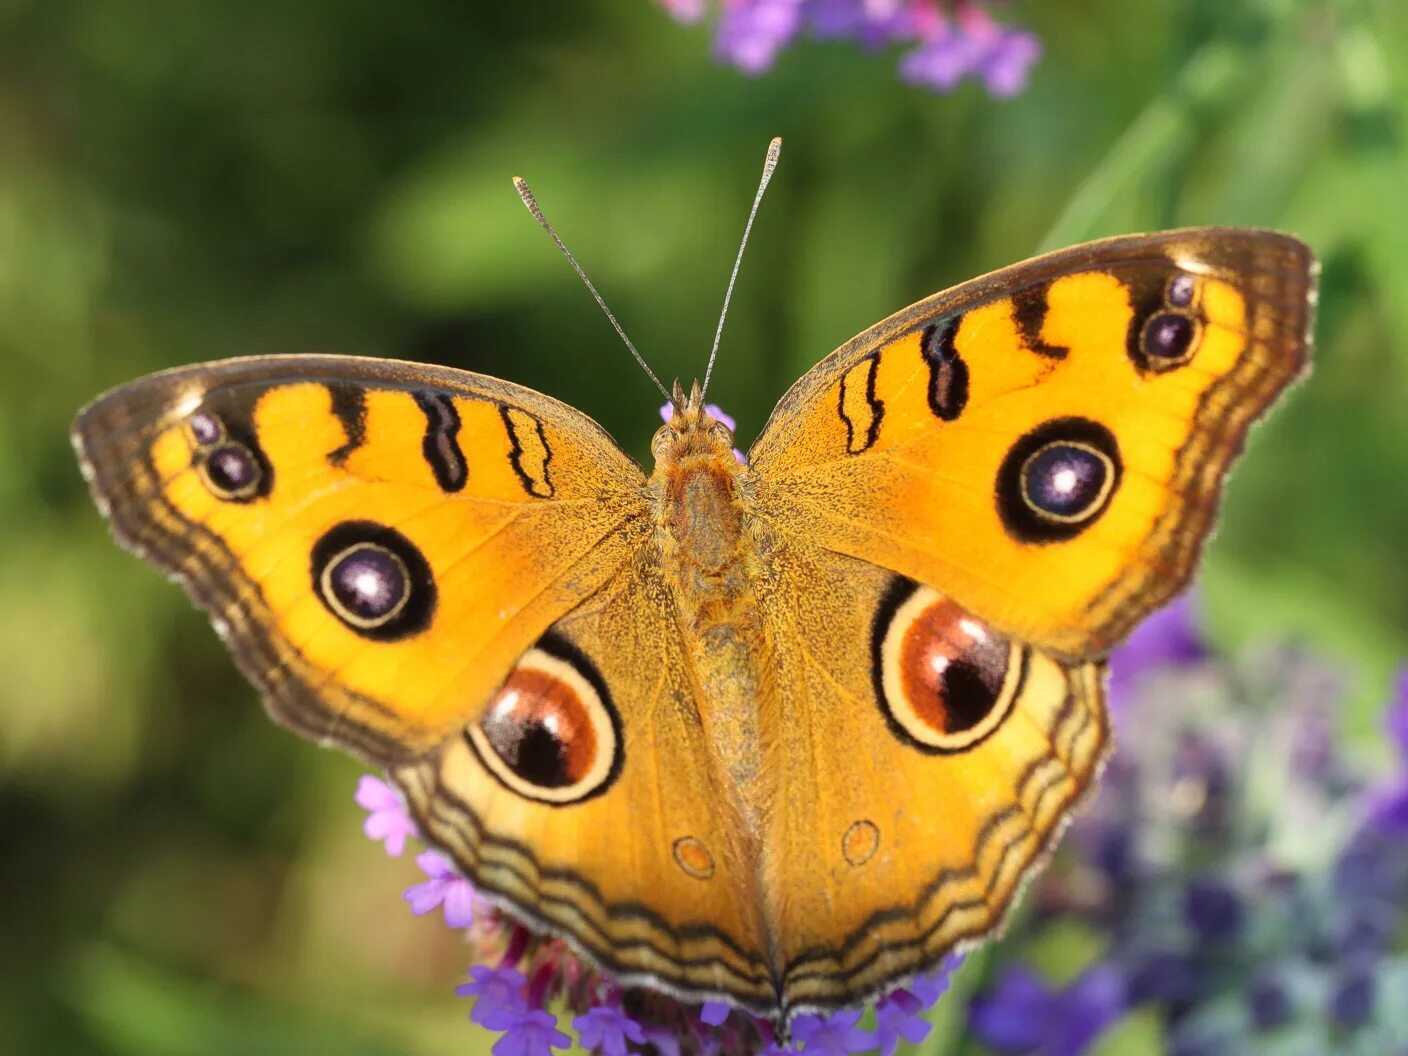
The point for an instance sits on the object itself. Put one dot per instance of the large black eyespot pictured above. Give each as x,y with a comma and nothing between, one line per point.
374,580
550,733
1057,480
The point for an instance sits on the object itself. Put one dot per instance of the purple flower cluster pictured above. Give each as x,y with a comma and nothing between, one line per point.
1248,887
523,976
950,39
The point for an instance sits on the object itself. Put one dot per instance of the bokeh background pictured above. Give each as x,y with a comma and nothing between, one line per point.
187,181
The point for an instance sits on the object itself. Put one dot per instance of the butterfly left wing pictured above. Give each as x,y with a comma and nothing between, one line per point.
378,542
1047,444
635,854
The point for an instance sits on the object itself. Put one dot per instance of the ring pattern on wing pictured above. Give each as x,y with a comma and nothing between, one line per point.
945,679
550,733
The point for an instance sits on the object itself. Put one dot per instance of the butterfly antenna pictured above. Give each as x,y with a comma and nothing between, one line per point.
769,163
526,193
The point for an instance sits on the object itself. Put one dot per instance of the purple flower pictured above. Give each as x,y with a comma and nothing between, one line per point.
686,11
1168,638
1007,60
445,887
1398,715
942,60
897,1018
898,1013
870,24
713,1013
751,33
606,1029
1022,1013
387,820
955,38
833,1035
1212,910
1352,1004
532,1033
1388,809
499,996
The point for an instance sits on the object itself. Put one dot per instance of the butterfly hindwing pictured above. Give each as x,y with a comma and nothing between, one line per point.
378,542
942,759
1048,442
637,854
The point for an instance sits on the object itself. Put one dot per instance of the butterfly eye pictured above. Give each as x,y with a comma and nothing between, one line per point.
1057,480
549,733
662,442
374,580
945,678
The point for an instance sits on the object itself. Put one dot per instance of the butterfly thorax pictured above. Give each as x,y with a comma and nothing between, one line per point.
708,557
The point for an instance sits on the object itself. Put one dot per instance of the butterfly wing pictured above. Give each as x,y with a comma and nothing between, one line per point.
972,502
377,542
933,763
449,575
1047,444
645,868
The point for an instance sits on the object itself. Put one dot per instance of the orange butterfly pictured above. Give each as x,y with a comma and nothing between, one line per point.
781,733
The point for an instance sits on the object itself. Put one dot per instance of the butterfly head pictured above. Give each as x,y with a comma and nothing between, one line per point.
692,430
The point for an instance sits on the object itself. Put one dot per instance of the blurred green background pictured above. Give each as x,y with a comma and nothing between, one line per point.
190,180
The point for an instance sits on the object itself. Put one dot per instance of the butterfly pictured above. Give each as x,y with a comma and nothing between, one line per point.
781,732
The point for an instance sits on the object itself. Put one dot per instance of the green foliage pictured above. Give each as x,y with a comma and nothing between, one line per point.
181,182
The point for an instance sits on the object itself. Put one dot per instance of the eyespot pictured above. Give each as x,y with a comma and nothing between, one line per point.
374,580
206,429
1166,325
550,733
945,679
231,471
1057,480
1065,481
1181,289
367,585
1168,339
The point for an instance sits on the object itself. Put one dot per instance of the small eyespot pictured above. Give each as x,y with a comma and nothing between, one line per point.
374,580
1180,290
1167,339
206,429
549,733
860,842
1057,480
694,858
231,471
366,585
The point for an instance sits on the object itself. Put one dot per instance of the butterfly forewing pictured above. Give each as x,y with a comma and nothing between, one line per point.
377,542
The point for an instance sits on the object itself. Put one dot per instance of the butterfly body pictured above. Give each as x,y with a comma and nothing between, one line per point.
782,732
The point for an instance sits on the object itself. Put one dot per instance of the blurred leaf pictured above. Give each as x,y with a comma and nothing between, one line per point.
1137,1033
